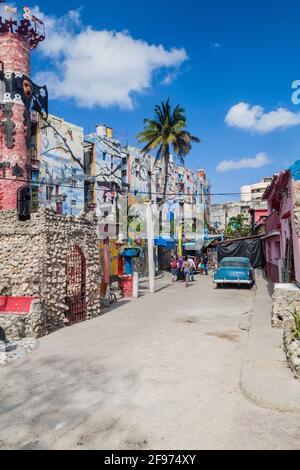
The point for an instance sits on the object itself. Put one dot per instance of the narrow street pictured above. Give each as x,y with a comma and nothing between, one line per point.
159,372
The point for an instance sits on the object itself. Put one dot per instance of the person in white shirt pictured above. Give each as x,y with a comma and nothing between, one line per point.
192,268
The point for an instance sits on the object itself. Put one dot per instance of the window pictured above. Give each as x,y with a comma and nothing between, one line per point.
35,176
104,156
124,173
34,140
34,198
49,191
277,250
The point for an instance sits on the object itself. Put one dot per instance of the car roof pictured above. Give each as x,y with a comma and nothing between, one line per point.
236,258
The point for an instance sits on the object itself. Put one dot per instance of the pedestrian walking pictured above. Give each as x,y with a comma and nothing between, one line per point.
187,271
192,268
201,266
174,269
205,263
180,273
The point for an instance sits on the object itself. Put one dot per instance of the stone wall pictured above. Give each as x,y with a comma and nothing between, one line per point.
15,326
292,349
33,257
21,247
286,297
62,233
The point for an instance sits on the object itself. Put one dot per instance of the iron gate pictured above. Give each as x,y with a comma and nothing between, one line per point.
76,286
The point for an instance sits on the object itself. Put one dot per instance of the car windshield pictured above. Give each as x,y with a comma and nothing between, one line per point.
235,264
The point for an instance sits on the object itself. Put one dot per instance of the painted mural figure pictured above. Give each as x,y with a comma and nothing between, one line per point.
61,178
9,125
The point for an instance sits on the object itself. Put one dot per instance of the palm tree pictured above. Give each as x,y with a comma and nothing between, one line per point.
165,132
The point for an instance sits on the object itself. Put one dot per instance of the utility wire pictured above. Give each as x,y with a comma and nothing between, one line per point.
135,192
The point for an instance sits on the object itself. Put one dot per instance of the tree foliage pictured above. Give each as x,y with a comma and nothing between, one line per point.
166,133
238,227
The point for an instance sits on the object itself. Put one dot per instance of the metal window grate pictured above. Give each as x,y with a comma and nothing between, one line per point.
76,286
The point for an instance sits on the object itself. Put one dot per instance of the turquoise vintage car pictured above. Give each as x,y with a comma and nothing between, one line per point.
235,271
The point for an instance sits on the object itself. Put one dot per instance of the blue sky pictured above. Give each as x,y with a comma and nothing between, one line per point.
226,53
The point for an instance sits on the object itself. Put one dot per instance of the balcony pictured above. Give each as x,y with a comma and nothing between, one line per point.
272,222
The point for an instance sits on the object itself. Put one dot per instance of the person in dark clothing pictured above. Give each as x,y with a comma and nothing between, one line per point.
205,263
180,273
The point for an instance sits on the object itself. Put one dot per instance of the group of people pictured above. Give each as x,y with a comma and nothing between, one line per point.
183,269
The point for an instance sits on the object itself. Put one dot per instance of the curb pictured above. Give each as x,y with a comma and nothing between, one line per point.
265,377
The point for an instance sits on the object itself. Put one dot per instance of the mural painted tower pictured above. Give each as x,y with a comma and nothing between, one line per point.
20,32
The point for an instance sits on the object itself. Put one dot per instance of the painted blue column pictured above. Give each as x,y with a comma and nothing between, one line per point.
128,265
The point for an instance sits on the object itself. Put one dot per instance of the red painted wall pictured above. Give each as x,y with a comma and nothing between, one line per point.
258,213
20,305
15,54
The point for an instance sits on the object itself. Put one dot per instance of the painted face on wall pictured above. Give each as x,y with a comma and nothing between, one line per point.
27,90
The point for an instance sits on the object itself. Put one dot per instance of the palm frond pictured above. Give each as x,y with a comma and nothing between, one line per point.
195,139
152,144
152,123
178,115
159,115
167,129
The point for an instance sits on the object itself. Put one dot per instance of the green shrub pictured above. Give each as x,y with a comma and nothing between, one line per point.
296,328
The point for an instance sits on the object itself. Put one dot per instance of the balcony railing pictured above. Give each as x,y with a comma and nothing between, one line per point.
272,222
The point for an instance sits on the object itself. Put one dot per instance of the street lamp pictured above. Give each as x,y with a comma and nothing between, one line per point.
150,237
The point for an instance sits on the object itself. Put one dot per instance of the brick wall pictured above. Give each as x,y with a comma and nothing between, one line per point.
15,54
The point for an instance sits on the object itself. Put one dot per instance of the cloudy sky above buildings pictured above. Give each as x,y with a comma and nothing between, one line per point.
230,64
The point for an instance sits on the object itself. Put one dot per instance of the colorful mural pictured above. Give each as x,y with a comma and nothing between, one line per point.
120,181
108,174
139,175
60,176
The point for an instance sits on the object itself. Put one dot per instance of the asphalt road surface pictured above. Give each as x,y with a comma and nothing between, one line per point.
160,372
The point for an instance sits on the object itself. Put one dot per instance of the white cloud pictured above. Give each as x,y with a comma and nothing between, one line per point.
259,161
216,45
254,118
100,67
170,77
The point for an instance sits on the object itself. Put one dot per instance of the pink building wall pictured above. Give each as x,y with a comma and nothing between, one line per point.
295,192
281,227
258,213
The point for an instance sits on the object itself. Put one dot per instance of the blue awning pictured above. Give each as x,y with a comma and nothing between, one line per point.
214,237
195,245
295,170
165,242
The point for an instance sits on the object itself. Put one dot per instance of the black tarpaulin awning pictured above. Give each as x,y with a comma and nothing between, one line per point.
245,248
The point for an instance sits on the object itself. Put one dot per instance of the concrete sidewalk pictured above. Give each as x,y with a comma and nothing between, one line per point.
265,377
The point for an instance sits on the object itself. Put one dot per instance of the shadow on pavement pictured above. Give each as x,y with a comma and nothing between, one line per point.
109,308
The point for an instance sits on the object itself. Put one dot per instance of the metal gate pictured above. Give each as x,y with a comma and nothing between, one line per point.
76,286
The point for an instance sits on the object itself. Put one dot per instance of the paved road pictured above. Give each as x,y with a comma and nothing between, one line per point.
161,372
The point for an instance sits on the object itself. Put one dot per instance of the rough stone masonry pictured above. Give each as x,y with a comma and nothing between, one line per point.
33,260
286,298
